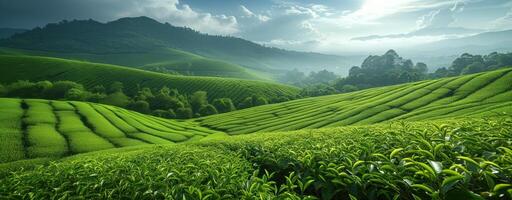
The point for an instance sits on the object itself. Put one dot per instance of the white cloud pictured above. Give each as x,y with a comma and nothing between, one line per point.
250,14
372,10
174,12
504,22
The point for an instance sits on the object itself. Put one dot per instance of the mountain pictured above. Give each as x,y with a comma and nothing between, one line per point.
444,31
482,43
142,34
8,32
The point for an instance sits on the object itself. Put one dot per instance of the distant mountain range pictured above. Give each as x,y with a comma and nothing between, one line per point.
8,32
142,34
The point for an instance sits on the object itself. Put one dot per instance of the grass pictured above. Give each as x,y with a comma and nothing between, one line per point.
464,95
37,129
11,133
13,68
447,159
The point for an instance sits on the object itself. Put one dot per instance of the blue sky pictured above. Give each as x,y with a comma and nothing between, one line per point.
329,26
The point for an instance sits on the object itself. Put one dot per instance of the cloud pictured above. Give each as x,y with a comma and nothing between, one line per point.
504,22
174,12
373,10
248,13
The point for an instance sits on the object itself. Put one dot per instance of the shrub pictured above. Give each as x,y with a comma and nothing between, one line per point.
184,113
223,105
207,110
116,99
3,90
140,106
61,88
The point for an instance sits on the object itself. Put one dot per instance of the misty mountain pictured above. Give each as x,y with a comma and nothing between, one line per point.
482,43
444,31
143,34
8,32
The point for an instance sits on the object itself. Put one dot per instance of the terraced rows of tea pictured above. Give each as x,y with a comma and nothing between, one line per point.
14,68
480,94
42,128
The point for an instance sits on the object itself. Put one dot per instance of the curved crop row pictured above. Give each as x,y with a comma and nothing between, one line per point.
13,68
33,128
472,95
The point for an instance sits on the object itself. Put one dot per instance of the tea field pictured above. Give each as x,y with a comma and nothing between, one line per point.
444,159
14,68
31,129
481,94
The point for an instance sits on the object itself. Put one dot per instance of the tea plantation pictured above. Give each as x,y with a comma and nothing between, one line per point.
474,95
14,68
51,129
449,159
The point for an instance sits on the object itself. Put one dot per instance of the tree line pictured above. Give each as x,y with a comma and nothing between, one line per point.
390,69
163,102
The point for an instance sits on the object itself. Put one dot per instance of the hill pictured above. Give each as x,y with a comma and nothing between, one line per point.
166,60
13,68
34,128
470,95
141,35
448,159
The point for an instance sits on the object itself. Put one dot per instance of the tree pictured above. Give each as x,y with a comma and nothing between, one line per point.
348,88
115,87
22,89
198,100
246,103
473,68
208,110
98,89
61,88
169,114
3,90
223,105
140,106
259,100
116,99
184,113
76,94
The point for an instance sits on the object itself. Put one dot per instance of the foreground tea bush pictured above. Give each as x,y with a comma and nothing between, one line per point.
464,159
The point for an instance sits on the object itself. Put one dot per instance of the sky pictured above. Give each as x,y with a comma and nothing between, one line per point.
328,26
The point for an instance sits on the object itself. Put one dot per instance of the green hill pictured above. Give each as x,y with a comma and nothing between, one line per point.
160,60
40,128
471,95
13,68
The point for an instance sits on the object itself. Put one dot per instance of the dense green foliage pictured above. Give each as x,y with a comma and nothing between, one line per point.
470,95
90,75
42,128
470,64
161,103
457,159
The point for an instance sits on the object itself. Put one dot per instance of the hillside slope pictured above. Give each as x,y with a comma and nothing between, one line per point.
13,68
142,34
40,128
159,60
471,95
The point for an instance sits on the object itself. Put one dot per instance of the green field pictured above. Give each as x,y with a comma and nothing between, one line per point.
170,59
14,68
32,128
448,159
438,139
482,94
